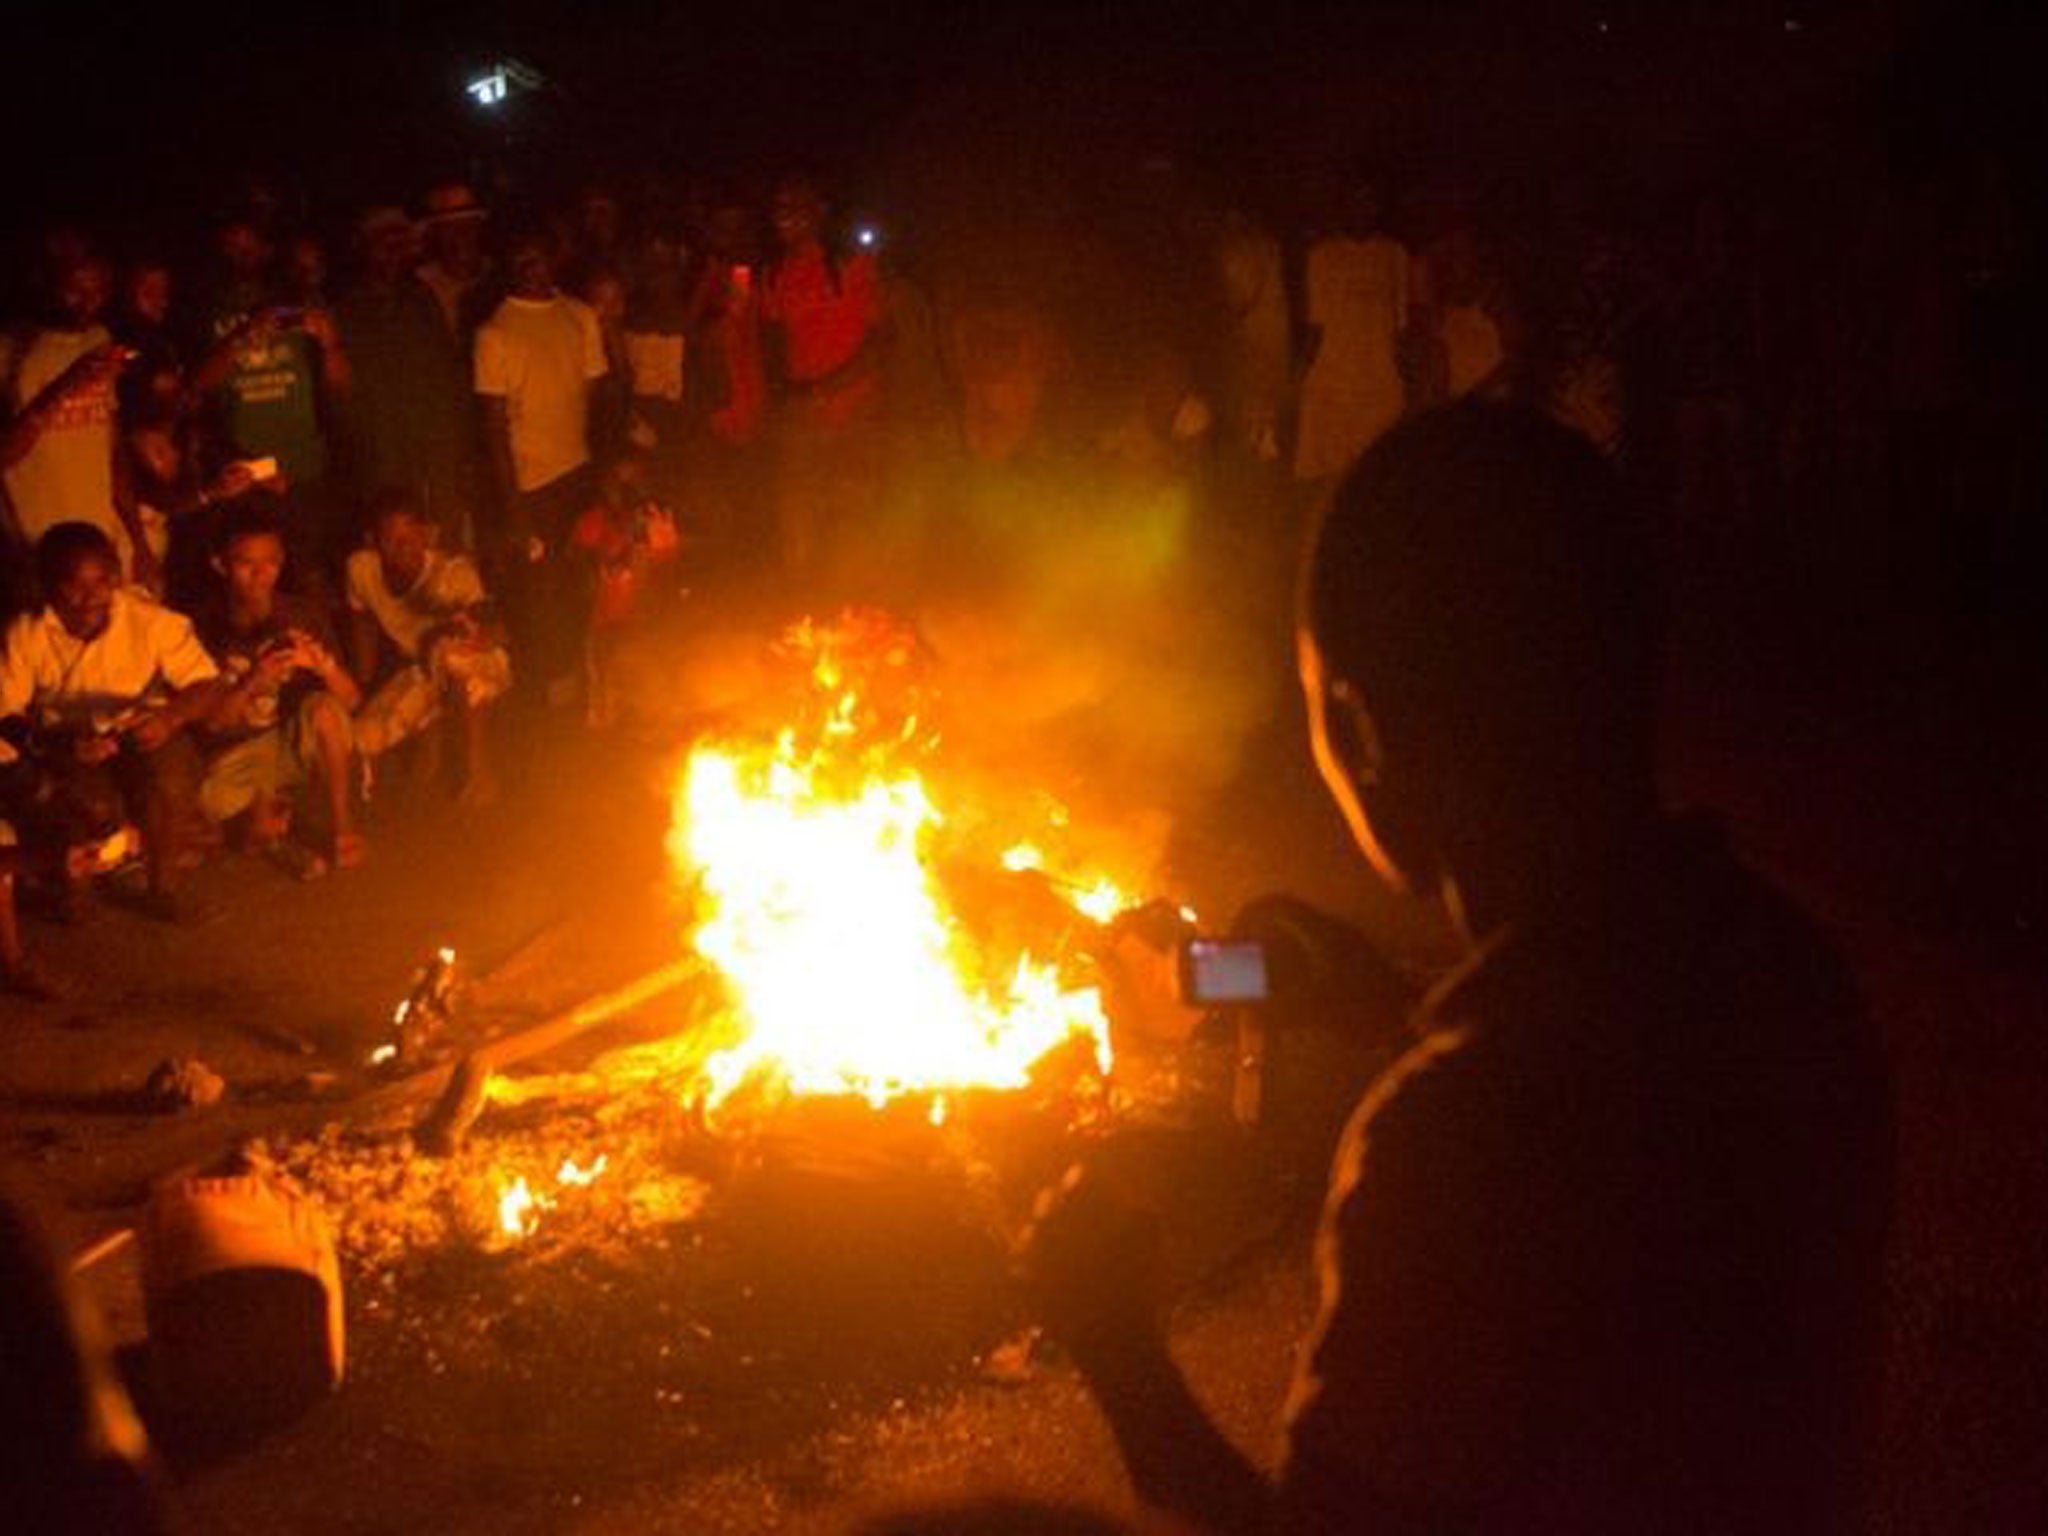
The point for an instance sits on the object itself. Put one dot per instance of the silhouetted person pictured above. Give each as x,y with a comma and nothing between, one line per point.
1601,1252
73,1456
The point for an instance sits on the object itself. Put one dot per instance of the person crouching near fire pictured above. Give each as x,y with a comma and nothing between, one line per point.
425,633
1603,1251
284,719
98,690
629,539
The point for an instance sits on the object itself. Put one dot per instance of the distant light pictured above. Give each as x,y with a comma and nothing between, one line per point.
1794,24
1603,27
504,78
867,237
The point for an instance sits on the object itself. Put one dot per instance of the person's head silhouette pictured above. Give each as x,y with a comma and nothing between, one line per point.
1476,653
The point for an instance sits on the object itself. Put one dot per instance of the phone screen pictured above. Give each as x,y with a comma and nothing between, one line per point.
1218,971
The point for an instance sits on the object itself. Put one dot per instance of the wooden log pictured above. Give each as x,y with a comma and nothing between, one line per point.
203,1140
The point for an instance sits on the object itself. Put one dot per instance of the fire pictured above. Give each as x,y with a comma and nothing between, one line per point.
814,860
518,1210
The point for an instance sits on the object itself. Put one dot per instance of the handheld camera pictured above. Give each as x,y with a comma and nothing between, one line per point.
1219,973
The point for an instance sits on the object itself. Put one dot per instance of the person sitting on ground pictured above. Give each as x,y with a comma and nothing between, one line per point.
1603,1251
96,692
283,719
628,537
428,611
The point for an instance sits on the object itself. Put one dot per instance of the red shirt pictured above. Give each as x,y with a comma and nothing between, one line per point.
626,547
825,317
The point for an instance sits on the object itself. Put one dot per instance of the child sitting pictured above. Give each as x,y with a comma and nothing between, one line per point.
429,610
284,718
628,536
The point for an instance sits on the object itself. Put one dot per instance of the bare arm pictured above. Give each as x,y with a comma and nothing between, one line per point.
20,436
1093,1267
498,446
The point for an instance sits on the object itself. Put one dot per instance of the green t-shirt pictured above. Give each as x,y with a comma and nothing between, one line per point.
270,405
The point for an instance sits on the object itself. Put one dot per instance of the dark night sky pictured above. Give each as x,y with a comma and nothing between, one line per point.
132,115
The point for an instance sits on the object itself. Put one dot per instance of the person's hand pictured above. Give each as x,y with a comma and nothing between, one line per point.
152,729
274,665
233,479
658,534
92,749
144,568
259,330
312,655
1091,1264
89,373
319,324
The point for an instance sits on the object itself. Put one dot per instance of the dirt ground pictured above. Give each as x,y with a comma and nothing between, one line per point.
812,1345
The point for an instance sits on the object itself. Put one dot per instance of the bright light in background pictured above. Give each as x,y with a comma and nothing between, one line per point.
497,83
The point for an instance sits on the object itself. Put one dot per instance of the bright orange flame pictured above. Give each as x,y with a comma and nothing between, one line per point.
518,1211
848,971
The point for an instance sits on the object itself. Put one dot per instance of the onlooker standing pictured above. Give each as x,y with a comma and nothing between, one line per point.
409,408
537,359
1357,303
655,343
823,312
604,291
627,536
155,381
57,449
1257,360
725,389
458,270
270,366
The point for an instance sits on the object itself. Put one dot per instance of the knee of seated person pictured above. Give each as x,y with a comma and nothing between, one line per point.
322,719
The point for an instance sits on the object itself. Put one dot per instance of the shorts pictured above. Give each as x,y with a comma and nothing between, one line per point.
267,764
410,699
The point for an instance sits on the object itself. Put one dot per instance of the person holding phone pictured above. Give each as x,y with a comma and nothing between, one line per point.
276,373
282,722
98,690
58,452
1603,1251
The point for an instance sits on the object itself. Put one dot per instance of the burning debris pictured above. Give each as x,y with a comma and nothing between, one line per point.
542,1190
847,906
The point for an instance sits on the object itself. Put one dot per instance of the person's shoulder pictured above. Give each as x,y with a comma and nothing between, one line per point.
26,631
138,608
361,571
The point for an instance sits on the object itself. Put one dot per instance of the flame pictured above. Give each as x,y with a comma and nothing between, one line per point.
518,1210
812,855
580,1178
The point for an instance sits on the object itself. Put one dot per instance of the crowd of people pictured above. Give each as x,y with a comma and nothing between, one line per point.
264,539
271,515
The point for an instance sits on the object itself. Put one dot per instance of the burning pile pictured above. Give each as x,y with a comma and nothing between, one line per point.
830,885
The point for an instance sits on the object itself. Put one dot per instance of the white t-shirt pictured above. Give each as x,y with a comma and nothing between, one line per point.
68,477
1358,299
448,585
144,651
539,356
